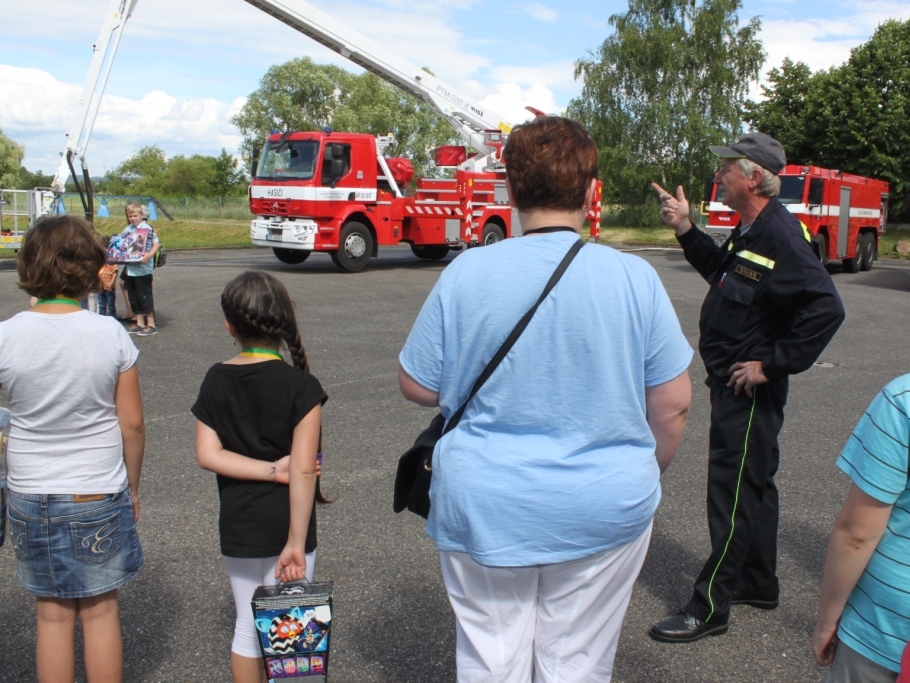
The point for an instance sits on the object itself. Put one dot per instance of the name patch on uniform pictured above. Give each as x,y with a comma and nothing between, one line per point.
748,272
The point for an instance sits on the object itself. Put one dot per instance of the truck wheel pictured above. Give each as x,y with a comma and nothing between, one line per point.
820,244
492,233
292,256
868,250
855,264
431,252
354,248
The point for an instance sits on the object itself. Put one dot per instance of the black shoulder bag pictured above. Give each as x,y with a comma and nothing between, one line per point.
415,469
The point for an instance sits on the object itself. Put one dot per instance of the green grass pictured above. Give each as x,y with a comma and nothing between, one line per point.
190,234
225,233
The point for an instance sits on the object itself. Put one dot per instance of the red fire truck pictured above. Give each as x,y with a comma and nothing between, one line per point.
845,214
336,192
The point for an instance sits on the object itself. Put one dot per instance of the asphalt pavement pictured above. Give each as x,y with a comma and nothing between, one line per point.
392,620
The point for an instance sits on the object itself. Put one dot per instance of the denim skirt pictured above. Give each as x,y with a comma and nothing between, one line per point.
70,547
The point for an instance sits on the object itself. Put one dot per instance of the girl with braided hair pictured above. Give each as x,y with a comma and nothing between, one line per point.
258,429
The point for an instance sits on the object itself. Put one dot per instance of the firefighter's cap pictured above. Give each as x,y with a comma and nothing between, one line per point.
758,147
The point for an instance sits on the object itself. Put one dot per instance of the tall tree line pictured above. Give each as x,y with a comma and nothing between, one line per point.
670,81
854,117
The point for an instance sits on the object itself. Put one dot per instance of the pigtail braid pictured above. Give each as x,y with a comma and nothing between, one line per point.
291,336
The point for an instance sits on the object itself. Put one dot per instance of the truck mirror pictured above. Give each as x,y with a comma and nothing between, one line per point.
337,151
709,189
255,161
337,168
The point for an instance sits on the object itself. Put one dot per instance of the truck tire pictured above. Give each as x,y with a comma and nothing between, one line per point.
869,251
855,264
430,252
492,234
291,256
820,244
354,248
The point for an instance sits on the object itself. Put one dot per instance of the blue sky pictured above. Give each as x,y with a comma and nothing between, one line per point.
185,66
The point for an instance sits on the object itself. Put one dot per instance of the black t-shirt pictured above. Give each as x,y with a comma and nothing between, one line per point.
254,409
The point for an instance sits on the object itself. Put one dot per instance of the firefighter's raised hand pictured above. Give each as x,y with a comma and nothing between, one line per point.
674,211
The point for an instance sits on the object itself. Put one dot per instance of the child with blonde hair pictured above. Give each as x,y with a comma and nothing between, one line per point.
139,275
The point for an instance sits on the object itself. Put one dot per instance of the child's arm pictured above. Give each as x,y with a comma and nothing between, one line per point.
213,457
128,402
292,561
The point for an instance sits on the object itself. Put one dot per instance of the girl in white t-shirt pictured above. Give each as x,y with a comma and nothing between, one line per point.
75,451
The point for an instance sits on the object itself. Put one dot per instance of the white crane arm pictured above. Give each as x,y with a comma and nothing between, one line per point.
470,120
105,49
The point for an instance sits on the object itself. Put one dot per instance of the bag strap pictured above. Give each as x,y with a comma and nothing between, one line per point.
516,333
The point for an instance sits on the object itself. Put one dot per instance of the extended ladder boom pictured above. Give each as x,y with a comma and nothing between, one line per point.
470,120
105,49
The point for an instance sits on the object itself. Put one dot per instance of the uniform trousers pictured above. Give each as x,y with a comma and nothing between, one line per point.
742,497
556,622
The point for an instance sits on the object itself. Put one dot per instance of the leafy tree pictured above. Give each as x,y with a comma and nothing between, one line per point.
29,180
783,114
142,173
227,180
669,82
296,95
11,154
303,95
150,172
854,116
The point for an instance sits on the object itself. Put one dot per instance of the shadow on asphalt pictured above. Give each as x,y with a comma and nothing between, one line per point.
894,276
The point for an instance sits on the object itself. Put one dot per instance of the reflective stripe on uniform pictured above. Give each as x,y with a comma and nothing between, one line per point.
755,258
806,233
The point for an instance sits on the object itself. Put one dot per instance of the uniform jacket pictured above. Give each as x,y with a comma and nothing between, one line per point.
770,299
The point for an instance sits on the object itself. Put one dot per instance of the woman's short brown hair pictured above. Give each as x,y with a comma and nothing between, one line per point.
60,255
550,162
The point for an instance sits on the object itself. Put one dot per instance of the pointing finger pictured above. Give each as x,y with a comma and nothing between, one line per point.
660,191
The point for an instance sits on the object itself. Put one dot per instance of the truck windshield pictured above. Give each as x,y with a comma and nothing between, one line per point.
791,189
290,160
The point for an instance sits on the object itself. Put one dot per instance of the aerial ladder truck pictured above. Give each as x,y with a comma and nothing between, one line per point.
337,192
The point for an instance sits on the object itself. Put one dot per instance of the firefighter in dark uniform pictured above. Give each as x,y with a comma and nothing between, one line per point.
770,311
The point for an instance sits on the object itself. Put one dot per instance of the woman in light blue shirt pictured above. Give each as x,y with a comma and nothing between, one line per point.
543,495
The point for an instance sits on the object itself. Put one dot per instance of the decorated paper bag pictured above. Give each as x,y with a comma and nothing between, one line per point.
294,623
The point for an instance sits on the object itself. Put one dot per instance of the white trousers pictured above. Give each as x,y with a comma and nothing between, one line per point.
556,623
247,574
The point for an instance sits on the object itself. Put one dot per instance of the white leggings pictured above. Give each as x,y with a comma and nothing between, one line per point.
247,574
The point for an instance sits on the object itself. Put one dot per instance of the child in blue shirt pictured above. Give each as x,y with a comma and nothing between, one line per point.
139,275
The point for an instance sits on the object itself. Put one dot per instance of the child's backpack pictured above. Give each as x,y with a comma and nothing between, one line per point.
160,256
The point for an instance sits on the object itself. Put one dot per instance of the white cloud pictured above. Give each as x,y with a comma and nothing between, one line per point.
37,109
541,12
555,75
822,43
510,99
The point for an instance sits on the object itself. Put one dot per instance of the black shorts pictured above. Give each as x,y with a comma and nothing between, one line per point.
139,291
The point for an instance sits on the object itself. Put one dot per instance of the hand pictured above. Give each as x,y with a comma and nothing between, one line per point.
282,470
146,258
745,376
291,565
674,211
824,644
135,496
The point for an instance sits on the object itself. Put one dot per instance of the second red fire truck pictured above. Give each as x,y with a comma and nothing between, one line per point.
844,214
